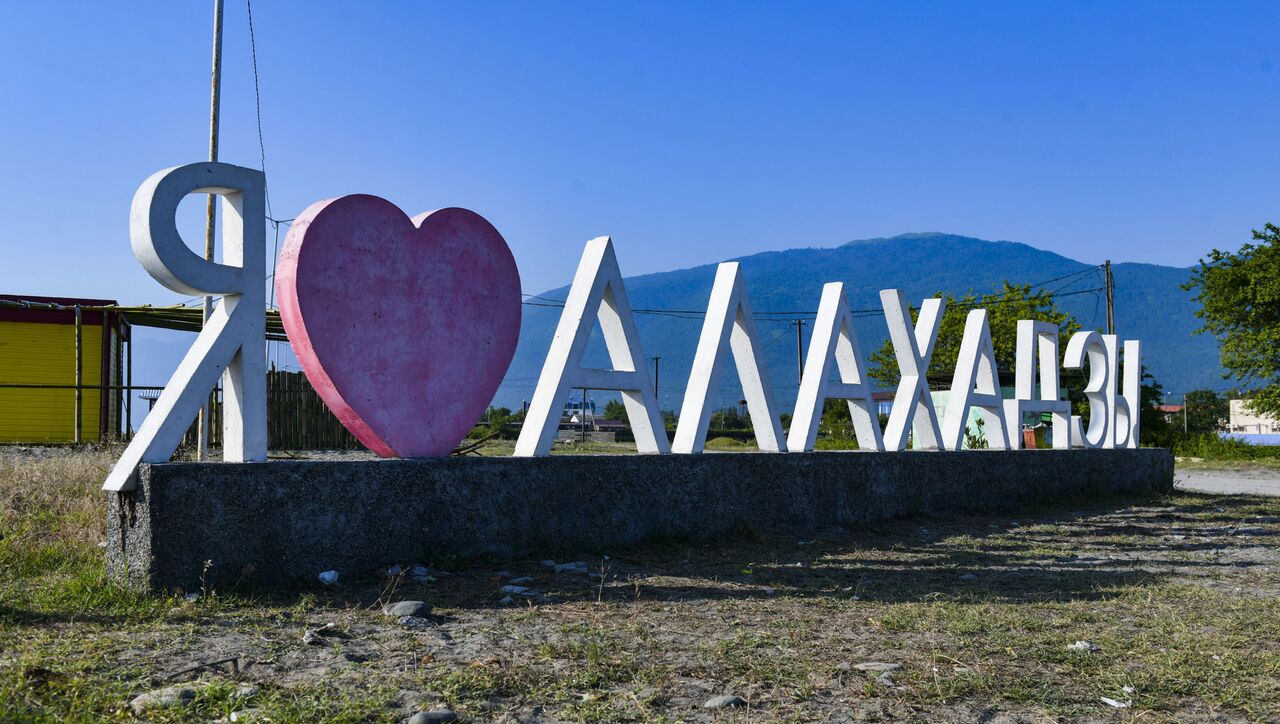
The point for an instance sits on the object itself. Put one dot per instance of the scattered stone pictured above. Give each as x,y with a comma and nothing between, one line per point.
885,679
394,571
506,600
968,577
414,623
880,666
1084,646
521,580
245,691
517,590
192,597
419,571
1116,704
435,715
315,636
246,715
844,667
503,574
329,578
723,702
575,567
407,608
549,563
161,698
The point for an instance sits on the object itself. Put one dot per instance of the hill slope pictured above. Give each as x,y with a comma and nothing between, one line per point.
1150,306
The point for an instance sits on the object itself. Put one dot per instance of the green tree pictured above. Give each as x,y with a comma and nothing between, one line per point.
670,420
1204,409
1239,296
1155,430
836,422
495,420
1004,308
615,410
730,419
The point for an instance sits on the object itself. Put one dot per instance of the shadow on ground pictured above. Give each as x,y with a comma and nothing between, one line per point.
1047,554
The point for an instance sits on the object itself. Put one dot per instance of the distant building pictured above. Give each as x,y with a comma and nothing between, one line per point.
38,360
884,402
1243,420
604,425
1171,413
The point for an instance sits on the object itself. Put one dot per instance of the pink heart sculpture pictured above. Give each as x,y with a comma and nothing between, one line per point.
405,327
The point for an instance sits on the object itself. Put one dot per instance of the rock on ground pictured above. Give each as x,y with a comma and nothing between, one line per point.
877,666
435,715
162,697
724,702
408,608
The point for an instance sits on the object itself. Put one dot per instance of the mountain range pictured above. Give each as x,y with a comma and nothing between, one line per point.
1149,305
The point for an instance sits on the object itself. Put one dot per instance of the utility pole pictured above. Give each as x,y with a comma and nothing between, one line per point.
1111,297
1184,414
799,325
656,360
206,414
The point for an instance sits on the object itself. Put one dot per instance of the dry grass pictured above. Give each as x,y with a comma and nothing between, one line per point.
51,498
1180,595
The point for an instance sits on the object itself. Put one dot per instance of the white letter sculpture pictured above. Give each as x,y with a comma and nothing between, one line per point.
833,334
1125,402
597,291
1038,348
233,342
975,384
1097,388
1132,394
914,351
728,320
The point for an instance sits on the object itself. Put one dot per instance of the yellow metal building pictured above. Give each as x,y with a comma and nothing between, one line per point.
38,369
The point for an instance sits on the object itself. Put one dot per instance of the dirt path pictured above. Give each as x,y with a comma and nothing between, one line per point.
1235,481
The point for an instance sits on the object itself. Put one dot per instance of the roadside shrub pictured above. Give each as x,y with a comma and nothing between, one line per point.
1211,447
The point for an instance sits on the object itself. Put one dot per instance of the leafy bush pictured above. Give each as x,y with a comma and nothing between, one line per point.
1212,447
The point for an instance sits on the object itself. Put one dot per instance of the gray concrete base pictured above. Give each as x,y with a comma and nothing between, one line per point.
268,524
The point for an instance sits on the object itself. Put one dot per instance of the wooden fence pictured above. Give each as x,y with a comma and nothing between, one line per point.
297,419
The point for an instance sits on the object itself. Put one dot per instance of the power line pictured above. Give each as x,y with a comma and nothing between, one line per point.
257,104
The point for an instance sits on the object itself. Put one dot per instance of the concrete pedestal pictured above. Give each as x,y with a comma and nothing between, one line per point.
269,524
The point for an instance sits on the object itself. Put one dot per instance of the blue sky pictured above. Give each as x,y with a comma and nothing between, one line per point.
690,132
